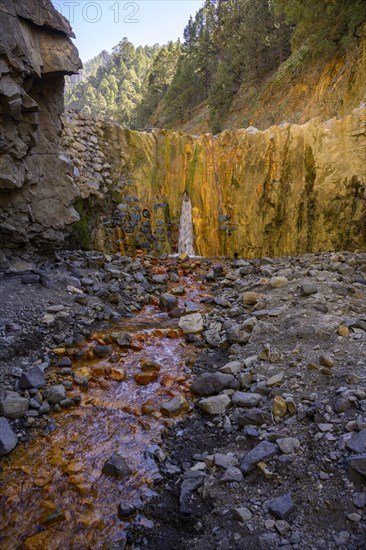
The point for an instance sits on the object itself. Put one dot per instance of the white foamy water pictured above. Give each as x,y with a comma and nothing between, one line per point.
185,243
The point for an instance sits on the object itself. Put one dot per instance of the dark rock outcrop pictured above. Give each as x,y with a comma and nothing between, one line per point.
36,188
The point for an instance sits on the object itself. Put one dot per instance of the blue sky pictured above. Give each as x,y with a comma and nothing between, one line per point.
100,25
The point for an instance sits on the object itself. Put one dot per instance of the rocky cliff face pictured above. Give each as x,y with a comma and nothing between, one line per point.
36,188
288,190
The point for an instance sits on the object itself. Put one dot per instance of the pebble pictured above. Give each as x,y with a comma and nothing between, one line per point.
8,439
167,302
55,394
102,351
232,474
278,282
191,324
242,514
215,405
275,380
241,399
326,361
213,382
233,367
261,453
116,466
357,443
175,406
225,461
288,445
308,288
343,331
279,408
126,510
12,405
251,298
34,378
282,506
282,526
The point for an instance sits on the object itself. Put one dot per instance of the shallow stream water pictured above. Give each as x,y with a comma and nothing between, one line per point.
53,492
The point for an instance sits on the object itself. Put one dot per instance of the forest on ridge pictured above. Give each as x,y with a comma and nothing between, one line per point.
227,44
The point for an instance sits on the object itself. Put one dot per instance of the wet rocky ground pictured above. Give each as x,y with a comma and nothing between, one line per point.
274,453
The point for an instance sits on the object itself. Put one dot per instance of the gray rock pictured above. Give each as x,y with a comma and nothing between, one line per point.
254,416
242,514
12,405
30,279
102,351
187,488
232,474
126,510
123,339
8,439
116,466
55,308
215,405
242,399
225,461
160,279
233,367
64,362
236,335
167,302
281,507
191,324
213,382
357,469
343,404
308,288
174,406
191,307
34,378
288,445
55,394
357,443
262,452
282,527
33,403
275,380
359,499
213,338
44,408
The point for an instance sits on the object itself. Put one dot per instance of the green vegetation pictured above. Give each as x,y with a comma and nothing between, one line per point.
228,44
114,86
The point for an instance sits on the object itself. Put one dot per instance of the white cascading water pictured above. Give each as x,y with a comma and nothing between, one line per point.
185,242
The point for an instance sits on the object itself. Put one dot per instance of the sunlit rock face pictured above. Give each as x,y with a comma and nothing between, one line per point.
36,188
288,190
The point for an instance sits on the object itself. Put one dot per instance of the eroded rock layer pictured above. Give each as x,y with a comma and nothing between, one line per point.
36,188
288,190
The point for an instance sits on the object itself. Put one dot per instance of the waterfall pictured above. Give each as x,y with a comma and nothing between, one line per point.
185,243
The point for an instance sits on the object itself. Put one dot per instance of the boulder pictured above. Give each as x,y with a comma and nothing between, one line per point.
191,324
8,439
13,405
213,382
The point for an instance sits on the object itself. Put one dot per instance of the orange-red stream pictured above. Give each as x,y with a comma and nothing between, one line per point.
61,473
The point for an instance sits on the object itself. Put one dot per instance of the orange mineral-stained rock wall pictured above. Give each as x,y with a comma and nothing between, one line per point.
287,190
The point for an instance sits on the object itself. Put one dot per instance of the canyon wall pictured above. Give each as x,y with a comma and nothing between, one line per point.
36,185
287,190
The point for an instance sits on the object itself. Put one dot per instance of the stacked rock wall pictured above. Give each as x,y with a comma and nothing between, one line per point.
36,187
288,190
